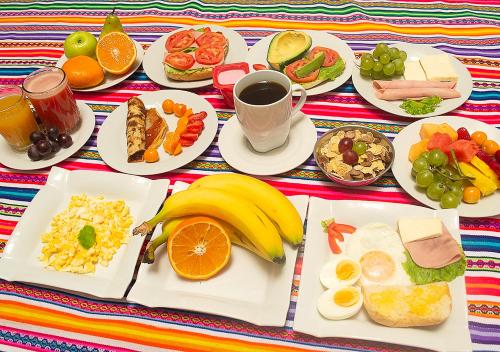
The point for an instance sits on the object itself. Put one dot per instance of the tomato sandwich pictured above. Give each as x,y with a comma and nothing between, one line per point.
192,54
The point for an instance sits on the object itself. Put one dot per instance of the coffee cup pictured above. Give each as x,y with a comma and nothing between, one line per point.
263,103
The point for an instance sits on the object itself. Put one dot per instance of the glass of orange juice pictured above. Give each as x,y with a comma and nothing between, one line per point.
16,118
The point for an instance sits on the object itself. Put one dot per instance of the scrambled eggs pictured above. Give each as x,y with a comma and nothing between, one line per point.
111,221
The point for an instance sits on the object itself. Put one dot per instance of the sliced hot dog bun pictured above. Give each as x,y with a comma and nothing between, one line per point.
405,306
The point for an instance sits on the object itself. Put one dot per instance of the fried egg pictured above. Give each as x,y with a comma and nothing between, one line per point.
341,271
378,249
340,302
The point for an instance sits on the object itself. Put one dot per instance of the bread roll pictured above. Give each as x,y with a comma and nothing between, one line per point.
405,306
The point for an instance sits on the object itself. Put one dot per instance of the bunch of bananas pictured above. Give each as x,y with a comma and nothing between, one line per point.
253,213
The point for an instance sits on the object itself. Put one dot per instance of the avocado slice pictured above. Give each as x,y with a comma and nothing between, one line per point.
312,65
287,47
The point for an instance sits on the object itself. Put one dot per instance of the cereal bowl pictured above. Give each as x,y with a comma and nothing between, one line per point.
375,161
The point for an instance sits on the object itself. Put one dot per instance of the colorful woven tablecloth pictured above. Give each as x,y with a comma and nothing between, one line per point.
32,35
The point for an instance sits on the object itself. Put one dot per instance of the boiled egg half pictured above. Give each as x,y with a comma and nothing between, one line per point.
340,302
341,271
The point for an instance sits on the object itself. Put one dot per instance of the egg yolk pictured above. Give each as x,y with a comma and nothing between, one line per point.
346,269
346,297
377,266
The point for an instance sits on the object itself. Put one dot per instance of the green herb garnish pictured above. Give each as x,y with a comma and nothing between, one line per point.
86,237
326,223
421,276
421,107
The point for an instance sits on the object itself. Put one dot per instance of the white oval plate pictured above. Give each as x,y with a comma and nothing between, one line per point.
20,161
153,59
487,206
109,79
415,51
112,142
258,55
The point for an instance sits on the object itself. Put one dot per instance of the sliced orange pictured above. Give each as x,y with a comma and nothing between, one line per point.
198,248
116,52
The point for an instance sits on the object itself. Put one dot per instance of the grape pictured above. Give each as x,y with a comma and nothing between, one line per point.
449,200
365,73
376,53
43,147
424,178
420,164
53,133
424,155
402,55
436,190
33,153
437,158
389,69
382,48
456,188
367,63
65,140
385,58
398,64
366,56
359,147
36,136
377,75
350,157
345,144
414,173
377,66
400,72
54,147
394,53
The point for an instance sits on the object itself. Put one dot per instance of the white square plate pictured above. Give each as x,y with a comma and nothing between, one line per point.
452,335
249,288
20,257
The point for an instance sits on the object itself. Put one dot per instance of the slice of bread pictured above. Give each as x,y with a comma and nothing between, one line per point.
196,74
405,306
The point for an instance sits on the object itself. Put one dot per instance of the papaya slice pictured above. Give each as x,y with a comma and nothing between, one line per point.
171,142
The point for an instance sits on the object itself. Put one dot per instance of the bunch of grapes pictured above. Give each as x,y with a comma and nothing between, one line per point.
441,180
383,62
47,143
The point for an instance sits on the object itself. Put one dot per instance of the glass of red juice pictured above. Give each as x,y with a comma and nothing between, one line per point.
52,98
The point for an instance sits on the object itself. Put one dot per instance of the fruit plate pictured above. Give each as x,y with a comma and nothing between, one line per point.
112,143
110,80
20,160
452,335
415,51
153,59
487,206
249,288
258,54
20,257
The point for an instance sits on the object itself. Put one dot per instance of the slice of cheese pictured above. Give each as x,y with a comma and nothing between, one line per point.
438,68
414,72
414,229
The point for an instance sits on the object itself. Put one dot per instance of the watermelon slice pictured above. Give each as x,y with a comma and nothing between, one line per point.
464,150
439,141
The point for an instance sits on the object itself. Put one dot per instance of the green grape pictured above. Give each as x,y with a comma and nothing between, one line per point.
420,164
359,147
435,190
377,75
389,69
414,173
456,188
402,55
382,48
439,178
401,71
376,53
437,158
424,155
377,66
365,73
394,53
449,200
384,58
367,63
424,178
366,56
398,64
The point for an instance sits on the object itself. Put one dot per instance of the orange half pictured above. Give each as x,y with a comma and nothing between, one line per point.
116,53
198,248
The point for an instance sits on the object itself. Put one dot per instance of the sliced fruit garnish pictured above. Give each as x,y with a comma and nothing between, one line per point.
179,41
116,53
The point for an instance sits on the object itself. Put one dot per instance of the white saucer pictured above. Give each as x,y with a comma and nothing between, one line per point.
20,160
237,151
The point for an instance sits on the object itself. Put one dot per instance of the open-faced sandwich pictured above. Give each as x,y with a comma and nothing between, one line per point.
192,54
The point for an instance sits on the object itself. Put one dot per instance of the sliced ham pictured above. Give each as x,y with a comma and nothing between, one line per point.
403,84
400,90
436,252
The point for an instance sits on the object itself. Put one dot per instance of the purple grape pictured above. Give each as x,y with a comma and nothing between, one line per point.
350,157
65,140
53,133
33,153
54,146
36,136
43,147
345,144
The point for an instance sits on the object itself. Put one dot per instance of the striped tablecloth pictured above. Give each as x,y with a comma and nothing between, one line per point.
32,34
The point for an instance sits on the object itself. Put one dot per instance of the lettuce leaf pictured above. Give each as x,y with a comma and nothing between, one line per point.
422,106
421,276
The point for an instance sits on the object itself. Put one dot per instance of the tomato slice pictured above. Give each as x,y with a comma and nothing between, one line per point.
180,60
259,67
290,72
331,56
211,38
209,55
179,41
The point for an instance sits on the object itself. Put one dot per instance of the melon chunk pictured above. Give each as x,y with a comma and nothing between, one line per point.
484,183
417,149
485,169
428,129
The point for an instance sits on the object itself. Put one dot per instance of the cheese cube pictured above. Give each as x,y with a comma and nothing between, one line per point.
438,68
414,72
414,229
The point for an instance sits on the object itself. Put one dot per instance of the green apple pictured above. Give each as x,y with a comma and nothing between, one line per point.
80,43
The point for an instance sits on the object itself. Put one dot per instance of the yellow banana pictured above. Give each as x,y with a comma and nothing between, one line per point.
225,206
270,200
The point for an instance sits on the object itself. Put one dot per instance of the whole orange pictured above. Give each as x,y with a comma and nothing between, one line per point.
83,72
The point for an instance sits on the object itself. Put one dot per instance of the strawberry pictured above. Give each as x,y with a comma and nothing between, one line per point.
195,126
186,142
190,136
463,133
197,117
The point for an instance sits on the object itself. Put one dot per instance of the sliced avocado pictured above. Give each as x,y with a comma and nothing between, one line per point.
287,47
312,65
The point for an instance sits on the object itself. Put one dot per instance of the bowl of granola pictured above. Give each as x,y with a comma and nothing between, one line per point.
354,155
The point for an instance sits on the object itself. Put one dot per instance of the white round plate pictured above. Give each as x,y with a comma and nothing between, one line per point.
112,142
487,206
237,151
153,59
415,51
109,79
20,161
258,55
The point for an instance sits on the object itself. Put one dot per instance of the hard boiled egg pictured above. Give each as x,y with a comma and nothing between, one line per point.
342,271
340,302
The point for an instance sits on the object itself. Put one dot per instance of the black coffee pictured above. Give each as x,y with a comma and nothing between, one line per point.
262,93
